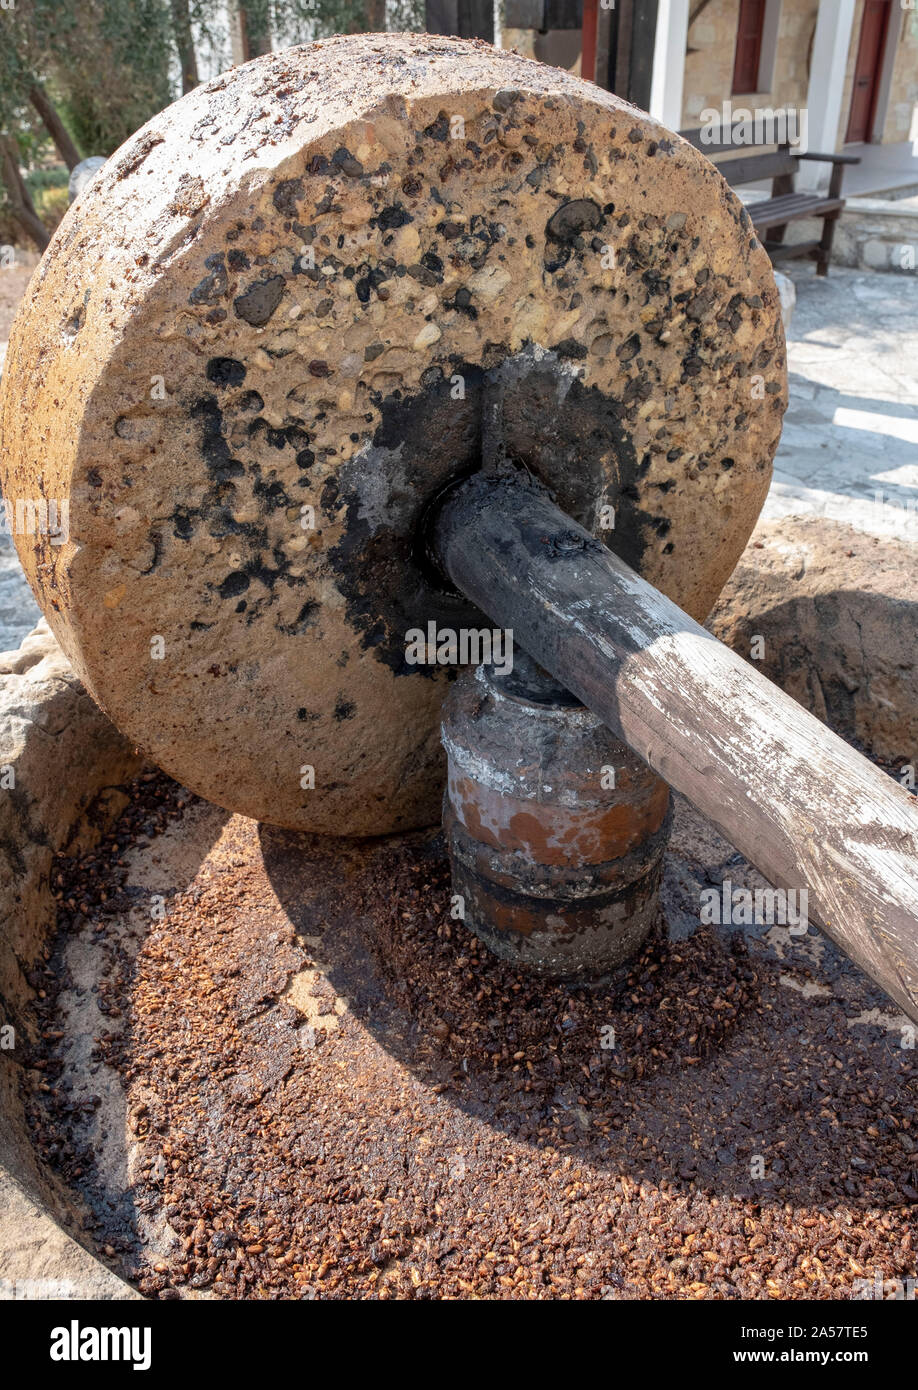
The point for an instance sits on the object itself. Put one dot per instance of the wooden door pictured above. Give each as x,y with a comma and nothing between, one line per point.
748,46
868,69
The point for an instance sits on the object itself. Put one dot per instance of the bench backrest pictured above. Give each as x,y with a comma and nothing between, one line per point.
744,167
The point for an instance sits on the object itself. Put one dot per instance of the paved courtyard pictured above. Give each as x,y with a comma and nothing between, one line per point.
18,610
849,450
850,444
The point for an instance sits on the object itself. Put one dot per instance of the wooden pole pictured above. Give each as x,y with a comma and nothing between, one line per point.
467,19
588,44
795,799
644,15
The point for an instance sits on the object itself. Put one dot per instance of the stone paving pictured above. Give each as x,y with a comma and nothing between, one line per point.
849,450
850,446
18,610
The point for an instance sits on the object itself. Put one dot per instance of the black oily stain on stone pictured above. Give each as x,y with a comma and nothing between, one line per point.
215,451
271,494
256,304
420,444
226,371
286,196
565,448
425,442
304,620
275,438
183,523
213,286
570,348
438,129
348,164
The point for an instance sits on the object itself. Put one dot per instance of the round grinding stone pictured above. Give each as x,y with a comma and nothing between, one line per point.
257,350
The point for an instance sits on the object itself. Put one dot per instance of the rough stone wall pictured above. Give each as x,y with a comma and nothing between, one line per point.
62,767
903,96
871,234
709,70
61,763
876,235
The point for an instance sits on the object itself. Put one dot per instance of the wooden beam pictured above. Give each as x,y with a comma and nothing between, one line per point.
795,799
476,19
465,19
605,40
588,43
643,48
620,48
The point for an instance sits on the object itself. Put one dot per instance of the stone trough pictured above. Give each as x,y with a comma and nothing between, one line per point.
250,1062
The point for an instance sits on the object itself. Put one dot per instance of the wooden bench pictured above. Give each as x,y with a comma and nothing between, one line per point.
771,216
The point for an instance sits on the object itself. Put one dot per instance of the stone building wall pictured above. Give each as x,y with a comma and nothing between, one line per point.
903,94
709,68
712,47
901,121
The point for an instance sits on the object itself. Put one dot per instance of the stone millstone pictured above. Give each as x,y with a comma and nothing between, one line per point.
288,291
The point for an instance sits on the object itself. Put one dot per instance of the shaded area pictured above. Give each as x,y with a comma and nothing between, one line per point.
330,1091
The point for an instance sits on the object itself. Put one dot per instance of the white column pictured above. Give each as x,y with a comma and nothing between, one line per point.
831,44
669,62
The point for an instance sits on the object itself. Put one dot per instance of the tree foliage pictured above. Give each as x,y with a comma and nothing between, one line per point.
109,62
83,75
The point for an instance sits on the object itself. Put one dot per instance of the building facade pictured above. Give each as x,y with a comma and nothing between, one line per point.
760,53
